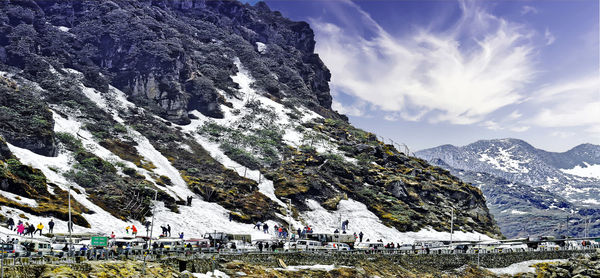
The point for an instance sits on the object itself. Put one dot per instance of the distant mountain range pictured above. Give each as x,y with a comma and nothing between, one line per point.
528,190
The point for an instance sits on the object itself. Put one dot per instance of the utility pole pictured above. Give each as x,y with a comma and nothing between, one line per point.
151,228
289,212
451,225
2,261
70,224
478,250
586,232
567,227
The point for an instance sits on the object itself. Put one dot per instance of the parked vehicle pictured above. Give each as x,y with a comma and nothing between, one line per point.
335,237
337,246
369,246
548,245
37,247
12,249
242,246
169,243
303,244
508,248
196,243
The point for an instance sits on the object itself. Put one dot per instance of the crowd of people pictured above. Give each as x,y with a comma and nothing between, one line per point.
279,231
26,228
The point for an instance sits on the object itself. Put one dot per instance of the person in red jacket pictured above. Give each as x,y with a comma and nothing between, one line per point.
133,230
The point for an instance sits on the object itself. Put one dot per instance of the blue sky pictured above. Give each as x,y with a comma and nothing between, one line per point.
427,73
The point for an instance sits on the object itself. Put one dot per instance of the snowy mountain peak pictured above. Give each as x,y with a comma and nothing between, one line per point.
573,175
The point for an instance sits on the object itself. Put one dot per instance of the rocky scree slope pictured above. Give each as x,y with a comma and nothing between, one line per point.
529,191
215,99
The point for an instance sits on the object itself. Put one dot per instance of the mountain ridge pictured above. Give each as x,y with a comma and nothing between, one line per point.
504,168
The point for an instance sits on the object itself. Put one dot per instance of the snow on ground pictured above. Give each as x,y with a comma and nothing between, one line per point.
322,267
591,201
291,136
505,162
99,220
111,103
19,199
261,47
163,165
265,186
196,220
514,211
203,217
73,127
217,273
522,267
589,171
361,219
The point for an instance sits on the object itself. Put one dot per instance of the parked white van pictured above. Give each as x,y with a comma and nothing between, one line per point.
303,245
337,246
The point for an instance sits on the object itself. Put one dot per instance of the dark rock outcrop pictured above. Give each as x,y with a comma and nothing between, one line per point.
172,56
25,120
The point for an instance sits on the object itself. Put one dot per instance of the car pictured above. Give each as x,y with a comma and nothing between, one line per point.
12,249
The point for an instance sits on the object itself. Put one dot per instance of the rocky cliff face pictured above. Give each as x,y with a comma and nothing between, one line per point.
221,101
170,56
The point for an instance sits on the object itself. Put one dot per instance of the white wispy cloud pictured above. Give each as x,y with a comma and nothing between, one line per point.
562,134
550,38
520,128
514,115
528,9
427,75
351,110
569,103
492,125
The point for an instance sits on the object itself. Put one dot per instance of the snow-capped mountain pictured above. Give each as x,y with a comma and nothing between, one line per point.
543,188
220,101
572,174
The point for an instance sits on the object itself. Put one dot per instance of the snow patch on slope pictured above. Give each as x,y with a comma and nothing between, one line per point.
19,199
261,47
116,100
265,186
200,218
505,162
589,171
363,220
99,220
